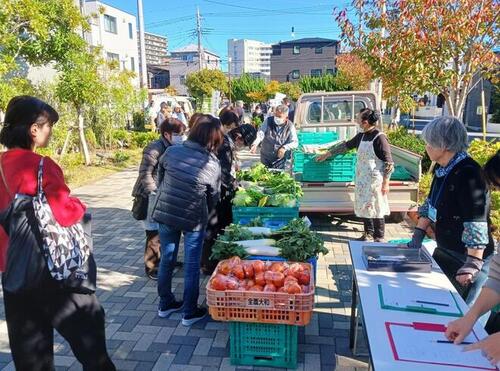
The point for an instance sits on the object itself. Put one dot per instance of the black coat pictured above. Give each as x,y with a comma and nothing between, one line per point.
189,180
148,170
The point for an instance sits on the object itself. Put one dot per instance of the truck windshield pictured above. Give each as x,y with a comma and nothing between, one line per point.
333,111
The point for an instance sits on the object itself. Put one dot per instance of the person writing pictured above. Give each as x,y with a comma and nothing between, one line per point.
278,136
458,206
489,297
373,172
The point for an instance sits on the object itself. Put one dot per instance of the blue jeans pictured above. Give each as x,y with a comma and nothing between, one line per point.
193,244
450,262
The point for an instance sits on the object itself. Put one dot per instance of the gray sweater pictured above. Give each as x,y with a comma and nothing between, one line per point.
189,181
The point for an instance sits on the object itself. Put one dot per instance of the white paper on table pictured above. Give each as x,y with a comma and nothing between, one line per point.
421,346
420,297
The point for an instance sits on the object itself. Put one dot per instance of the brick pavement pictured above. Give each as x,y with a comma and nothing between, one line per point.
139,340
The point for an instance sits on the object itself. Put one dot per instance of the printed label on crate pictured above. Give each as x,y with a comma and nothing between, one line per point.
260,303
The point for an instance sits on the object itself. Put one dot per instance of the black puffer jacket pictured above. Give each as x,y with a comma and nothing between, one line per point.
148,170
226,156
189,180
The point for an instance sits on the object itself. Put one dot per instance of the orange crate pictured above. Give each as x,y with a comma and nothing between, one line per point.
283,317
263,307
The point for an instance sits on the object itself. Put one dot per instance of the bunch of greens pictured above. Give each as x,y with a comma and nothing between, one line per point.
299,243
224,250
257,173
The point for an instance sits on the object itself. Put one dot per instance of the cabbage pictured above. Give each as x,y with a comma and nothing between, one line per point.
242,198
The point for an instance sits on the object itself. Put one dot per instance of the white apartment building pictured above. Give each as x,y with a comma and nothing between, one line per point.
249,56
184,61
116,32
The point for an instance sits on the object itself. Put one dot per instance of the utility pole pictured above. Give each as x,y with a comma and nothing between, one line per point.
229,75
198,32
379,84
142,46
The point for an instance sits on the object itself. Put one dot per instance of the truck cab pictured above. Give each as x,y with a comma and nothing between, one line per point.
336,111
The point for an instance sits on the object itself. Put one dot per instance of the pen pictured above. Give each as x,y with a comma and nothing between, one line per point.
432,303
451,342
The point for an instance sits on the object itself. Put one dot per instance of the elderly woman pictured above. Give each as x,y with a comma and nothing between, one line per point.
278,137
490,294
458,206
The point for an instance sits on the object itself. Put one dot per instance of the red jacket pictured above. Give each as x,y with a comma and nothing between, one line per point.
20,167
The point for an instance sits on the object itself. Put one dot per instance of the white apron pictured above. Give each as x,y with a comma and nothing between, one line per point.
368,199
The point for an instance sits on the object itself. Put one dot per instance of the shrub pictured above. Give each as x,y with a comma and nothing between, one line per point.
403,139
121,137
120,157
142,139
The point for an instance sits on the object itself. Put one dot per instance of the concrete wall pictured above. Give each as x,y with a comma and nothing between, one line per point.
120,43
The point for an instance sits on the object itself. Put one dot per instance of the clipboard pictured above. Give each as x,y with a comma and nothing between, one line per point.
417,342
453,310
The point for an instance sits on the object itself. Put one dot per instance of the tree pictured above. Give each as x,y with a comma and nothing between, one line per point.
36,32
245,84
203,83
427,45
292,90
80,85
353,71
310,84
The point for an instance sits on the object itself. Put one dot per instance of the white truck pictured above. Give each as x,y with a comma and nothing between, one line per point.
336,111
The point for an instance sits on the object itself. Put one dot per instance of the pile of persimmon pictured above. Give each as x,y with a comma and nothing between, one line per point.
255,275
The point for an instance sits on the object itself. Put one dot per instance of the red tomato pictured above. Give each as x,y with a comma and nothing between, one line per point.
269,288
305,278
225,268
232,283
235,260
219,282
295,270
277,267
268,276
256,288
250,283
281,289
278,279
293,288
238,271
249,271
291,279
258,266
260,279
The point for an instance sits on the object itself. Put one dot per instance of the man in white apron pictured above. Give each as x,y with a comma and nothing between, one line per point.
373,171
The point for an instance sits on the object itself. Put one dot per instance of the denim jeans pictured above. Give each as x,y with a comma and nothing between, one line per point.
193,244
450,262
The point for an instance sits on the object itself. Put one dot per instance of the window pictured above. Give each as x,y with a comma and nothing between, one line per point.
318,50
295,74
132,64
296,49
316,72
333,111
330,71
109,24
130,34
182,79
112,56
276,50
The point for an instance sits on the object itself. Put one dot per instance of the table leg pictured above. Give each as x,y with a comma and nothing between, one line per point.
354,304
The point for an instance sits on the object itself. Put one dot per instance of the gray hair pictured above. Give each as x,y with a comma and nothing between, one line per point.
283,108
239,103
446,133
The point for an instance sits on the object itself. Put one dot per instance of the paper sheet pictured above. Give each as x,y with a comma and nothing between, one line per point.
440,300
420,346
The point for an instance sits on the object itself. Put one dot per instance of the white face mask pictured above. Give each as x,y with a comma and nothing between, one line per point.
279,121
177,139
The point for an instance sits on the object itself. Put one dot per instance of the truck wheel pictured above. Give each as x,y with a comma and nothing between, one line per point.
396,217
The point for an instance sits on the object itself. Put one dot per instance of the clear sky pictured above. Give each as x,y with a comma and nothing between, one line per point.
266,20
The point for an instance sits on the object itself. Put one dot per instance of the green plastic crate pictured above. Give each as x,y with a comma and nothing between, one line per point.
283,214
400,173
262,344
307,137
341,168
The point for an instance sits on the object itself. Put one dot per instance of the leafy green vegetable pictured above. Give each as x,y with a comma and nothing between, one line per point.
242,198
236,232
282,200
299,243
257,222
224,250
